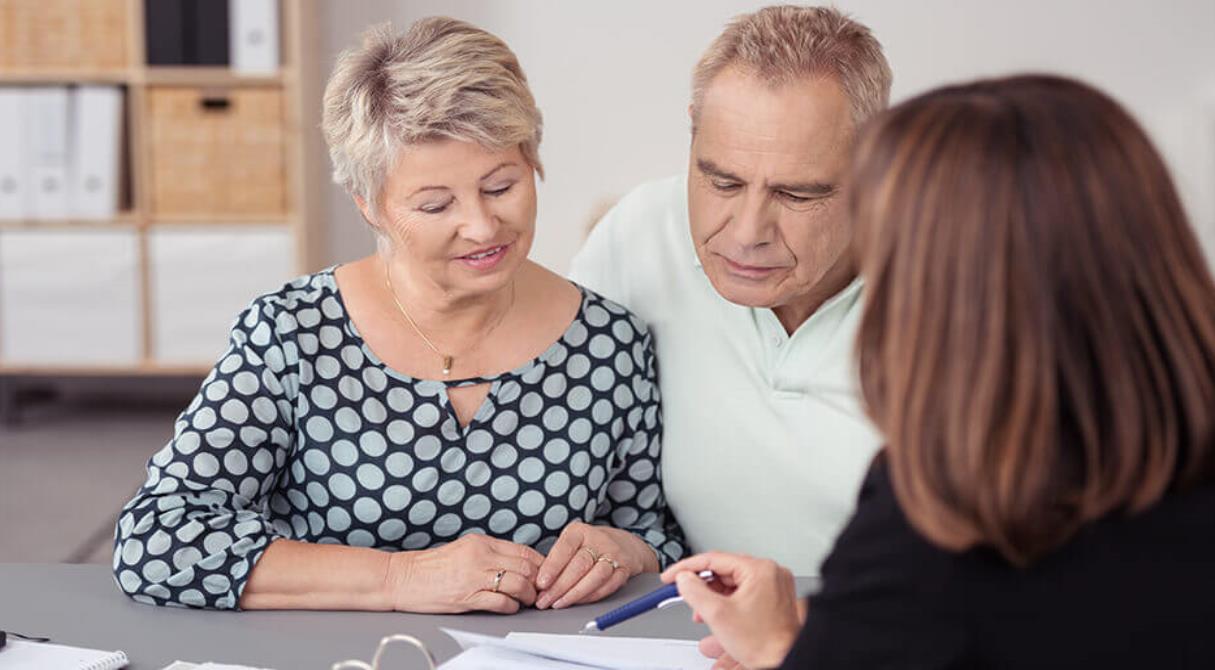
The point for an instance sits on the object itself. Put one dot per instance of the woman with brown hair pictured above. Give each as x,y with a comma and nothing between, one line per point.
1038,348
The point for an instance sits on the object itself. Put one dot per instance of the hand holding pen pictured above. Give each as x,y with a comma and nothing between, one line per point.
750,606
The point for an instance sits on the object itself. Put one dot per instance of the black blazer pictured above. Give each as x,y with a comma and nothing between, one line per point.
1126,592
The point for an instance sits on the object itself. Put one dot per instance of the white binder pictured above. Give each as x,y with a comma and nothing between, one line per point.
96,146
14,177
47,151
253,36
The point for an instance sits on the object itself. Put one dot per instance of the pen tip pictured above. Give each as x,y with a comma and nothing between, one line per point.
590,627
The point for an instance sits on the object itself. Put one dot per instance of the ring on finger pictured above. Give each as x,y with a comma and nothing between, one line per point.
608,559
498,579
594,556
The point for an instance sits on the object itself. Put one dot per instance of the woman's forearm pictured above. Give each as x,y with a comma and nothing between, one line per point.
301,575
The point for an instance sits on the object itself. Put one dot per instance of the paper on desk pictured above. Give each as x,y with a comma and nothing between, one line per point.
542,650
182,665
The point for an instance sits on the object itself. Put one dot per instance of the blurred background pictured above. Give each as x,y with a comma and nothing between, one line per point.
161,165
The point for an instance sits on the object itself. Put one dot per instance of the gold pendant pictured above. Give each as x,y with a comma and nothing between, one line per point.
447,361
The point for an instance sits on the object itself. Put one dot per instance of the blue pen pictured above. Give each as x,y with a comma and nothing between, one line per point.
655,600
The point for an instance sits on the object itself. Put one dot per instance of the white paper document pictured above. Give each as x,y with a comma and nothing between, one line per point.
182,665
573,652
22,655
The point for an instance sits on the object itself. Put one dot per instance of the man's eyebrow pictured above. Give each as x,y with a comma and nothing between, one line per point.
810,188
708,167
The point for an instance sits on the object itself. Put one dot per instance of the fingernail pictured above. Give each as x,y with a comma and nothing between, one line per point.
560,604
542,602
543,581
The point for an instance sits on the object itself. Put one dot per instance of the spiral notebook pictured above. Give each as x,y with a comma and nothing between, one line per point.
22,655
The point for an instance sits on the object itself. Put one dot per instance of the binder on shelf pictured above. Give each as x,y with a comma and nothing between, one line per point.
210,30
164,22
47,151
96,143
187,32
254,40
15,184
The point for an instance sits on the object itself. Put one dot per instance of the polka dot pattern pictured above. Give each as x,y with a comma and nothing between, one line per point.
301,432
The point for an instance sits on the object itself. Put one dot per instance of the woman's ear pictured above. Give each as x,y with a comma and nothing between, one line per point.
362,205
365,210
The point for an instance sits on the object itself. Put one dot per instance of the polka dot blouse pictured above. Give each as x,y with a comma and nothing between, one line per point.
301,432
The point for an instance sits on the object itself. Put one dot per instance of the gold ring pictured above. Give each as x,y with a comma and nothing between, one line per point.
594,556
608,559
498,580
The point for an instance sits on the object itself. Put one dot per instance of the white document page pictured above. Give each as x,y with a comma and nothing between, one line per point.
182,665
573,651
22,655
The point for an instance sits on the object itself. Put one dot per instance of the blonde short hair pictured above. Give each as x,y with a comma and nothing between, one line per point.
784,43
441,79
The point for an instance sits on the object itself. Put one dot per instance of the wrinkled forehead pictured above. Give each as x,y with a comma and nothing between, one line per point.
745,121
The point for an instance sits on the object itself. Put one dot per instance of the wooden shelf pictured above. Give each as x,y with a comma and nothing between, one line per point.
233,219
64,77
123,219
204,76
297,81
144,369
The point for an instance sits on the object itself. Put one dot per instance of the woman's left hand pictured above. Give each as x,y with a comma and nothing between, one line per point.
589,563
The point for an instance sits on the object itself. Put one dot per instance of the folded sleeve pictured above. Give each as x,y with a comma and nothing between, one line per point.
194,530
634,499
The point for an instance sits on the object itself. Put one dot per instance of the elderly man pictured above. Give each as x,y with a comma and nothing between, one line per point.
742,268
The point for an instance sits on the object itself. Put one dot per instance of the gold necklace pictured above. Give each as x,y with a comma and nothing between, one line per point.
448,359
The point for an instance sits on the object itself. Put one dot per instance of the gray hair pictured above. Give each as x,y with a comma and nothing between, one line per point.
783,43
441,79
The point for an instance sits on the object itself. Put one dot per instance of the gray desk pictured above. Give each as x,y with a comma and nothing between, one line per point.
79,605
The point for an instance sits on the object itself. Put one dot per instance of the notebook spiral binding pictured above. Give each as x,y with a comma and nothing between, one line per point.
379,653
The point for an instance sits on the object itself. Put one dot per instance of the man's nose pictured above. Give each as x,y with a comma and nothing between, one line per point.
753,224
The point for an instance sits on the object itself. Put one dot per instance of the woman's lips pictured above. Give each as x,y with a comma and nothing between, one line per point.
485,259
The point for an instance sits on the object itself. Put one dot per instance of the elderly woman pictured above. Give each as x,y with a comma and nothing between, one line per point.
411,430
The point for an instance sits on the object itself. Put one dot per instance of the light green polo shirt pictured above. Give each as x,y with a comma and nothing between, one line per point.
765,443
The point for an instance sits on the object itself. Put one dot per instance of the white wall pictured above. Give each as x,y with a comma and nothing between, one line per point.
612,80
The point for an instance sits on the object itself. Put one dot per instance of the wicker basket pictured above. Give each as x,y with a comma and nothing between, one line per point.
76,35
216,152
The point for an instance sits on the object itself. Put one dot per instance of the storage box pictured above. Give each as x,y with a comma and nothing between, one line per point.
84,35
216,152
70,297
203,276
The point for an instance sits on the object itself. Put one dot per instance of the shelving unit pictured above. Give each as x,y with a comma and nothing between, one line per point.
297,83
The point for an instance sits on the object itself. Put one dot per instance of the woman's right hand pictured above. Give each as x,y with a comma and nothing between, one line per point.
751,608
460,577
